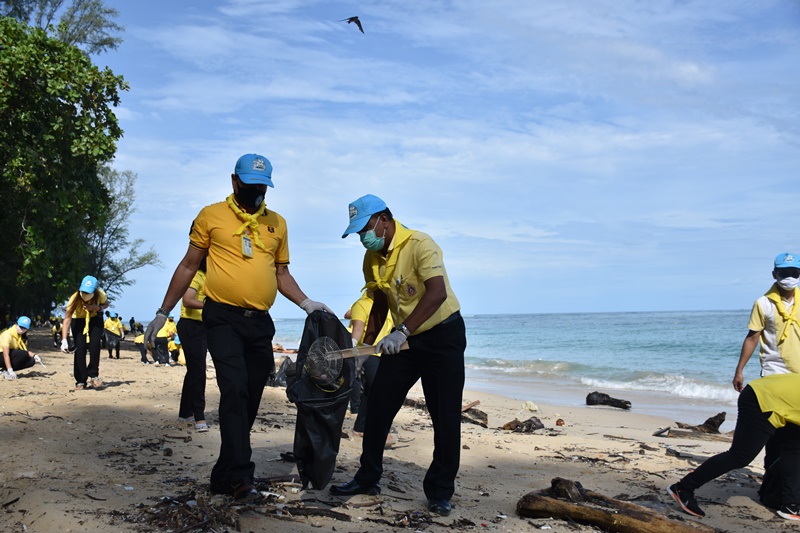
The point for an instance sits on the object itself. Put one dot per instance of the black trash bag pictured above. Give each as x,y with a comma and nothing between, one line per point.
320,414
278,379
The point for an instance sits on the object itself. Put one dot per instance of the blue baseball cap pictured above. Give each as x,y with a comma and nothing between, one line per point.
24,322
361,210
113,314
254,169
787,260
89,284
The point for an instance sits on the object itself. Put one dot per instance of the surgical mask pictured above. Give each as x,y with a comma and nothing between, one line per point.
86,296
788,283
371,241
249,197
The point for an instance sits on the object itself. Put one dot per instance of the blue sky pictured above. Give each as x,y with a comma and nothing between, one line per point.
604,155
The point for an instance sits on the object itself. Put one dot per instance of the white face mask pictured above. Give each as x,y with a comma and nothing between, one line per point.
86,296
787,283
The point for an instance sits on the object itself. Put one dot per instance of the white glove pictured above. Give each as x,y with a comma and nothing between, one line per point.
64,345
9,374
355,341
37,359
391,343
309,306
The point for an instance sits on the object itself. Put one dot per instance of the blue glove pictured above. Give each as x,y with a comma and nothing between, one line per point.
309,306
391,343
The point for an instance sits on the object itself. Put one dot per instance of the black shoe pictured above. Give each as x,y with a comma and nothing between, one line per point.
685,499
245,492
354,487
440,507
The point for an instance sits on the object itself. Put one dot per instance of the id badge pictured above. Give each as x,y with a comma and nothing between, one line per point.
247,246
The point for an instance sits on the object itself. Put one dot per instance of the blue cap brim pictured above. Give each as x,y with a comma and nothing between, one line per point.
256,179
356,225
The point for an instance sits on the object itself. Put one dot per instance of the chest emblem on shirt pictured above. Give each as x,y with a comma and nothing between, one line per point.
270,229
411,290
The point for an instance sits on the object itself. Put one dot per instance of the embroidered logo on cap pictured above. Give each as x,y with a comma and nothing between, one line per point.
789,258
259,164
353,212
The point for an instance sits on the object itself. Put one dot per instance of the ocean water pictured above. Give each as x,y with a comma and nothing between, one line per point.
674,364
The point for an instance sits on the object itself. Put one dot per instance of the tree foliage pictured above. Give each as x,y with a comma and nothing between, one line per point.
87,24
112,256
57,128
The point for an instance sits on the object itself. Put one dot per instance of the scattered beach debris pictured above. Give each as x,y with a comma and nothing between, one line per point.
601,398
568,500
560,422
530,406
708,430
528,426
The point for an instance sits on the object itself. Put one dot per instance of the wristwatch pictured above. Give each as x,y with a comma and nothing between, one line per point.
163,312
404,330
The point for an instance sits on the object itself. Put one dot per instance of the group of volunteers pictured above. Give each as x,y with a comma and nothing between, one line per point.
236,263
238,260
769,407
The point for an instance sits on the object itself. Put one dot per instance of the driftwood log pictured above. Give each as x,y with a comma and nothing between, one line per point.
469,414
601,398
708,430
567,500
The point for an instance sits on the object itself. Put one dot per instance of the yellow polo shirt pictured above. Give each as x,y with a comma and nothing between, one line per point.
99,298
114,325
779,393
169,327
360,311
12,340
413,258
232,278
198,281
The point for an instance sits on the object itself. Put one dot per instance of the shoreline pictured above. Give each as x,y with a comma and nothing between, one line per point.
103,460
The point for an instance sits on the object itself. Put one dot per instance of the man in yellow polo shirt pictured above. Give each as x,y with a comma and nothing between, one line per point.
247,261
16,355
405,273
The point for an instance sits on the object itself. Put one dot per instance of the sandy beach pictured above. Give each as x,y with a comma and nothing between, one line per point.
116,459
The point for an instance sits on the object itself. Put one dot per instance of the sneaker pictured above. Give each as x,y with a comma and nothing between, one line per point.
156,363
789,512
686,500
440,507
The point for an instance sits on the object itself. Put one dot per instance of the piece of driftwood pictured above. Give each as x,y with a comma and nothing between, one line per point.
470,405
475,416
601,398
709,426
528,426
674,433
567,500
416,403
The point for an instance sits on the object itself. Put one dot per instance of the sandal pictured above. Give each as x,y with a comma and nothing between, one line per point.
202,428
97,383
80,386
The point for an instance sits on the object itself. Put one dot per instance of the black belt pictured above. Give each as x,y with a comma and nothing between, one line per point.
452,318
247,313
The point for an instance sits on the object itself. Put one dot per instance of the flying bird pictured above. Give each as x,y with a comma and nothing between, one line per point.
354,19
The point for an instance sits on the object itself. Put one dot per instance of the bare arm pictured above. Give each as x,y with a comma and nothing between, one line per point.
358,330
182,277
748,347
190,300
287,285
7,356
434,297
66,325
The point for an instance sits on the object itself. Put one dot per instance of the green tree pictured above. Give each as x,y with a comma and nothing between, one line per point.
57,128
112,255
87,24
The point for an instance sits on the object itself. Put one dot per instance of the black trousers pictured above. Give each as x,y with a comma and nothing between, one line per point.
752,432
20,360
142,351
193,394
369,369
241,348
80,370
437,357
